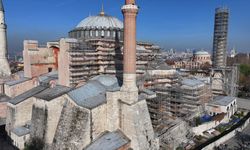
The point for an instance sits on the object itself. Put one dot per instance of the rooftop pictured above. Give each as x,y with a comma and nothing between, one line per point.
109,141
192,82
222,100
21,131
93,93
26,95
52,93
15,82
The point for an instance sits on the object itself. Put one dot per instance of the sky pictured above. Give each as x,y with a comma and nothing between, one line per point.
178,24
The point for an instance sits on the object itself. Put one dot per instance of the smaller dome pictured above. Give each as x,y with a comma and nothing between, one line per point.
201,52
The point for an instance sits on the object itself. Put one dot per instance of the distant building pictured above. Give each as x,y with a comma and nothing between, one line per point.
222,104
199,60
220,37
39,60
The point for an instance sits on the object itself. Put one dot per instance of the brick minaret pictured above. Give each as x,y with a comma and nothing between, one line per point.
129,89
4,65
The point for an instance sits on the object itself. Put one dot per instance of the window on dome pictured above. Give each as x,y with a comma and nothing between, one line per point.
86,34
96,33
108,33
102,33
82,33
91,33
114,34
119,34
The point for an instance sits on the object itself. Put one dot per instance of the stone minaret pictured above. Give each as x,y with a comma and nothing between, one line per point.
4,65
129,89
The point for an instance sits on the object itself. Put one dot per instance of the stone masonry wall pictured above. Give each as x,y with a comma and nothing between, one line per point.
39,123
54,109
73,130
99,120
15,90
136,124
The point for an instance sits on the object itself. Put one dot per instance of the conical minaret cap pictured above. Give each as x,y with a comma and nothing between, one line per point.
1,6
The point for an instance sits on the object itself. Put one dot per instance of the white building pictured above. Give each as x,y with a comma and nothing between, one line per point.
222,104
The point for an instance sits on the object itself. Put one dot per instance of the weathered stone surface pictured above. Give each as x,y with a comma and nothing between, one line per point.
136,124
39,122
73,131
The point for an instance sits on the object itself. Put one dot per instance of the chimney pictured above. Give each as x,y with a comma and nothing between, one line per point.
129,89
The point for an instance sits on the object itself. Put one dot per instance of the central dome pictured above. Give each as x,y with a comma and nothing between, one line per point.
101,26
100,21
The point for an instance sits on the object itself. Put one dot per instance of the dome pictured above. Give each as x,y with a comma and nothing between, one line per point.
100,21
201,52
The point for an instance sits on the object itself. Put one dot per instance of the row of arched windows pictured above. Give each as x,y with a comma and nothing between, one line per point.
96,33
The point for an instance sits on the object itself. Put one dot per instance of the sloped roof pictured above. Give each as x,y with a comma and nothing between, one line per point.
52,93
26,95
109,141
93,93
21,131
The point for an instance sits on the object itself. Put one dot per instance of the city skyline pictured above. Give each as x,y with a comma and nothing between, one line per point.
169,24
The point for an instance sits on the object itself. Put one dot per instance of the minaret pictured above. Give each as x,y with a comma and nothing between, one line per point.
4,65
129,89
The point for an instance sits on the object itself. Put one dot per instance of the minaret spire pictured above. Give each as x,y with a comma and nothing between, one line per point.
1,6
102,13
4,65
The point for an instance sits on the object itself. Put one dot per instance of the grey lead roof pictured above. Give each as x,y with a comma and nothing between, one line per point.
100,22
192,82
1,6
222,100
52,93
93,93
109,141
21,131
27,95
15,82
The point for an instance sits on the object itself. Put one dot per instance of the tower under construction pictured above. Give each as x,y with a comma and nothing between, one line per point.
220,37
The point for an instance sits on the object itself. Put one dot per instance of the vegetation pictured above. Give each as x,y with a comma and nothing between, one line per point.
244,81
34,144
197,121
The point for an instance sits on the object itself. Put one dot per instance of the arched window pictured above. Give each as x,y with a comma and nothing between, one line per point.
102,33
119,34
91,33
96,33
114,34
108,33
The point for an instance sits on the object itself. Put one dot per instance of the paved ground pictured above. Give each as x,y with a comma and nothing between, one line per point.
240,142
4,145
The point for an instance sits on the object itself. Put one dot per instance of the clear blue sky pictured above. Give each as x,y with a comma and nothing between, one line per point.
176,24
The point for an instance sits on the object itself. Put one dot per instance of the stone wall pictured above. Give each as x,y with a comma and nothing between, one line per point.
174,136
136,124
73,130
15,90
54,109
3,109
99,120
39,123
19,115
